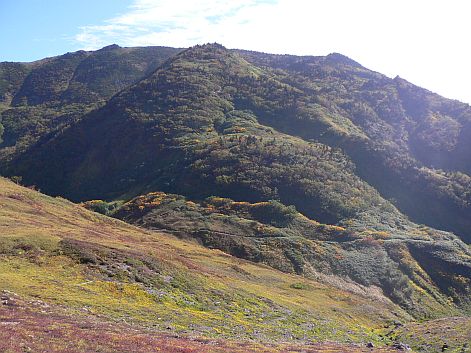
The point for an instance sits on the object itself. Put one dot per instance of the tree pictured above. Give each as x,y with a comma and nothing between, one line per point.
16,179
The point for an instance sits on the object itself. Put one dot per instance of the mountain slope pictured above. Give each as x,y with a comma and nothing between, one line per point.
208,122
185,116
404,141
410,144
41,97
76,265
413,266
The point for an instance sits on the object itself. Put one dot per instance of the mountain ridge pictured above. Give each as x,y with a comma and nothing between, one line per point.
47,95
320,187
323,134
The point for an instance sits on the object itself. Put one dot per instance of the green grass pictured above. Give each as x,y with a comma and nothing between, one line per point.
397,261
120,272
453,333
27,329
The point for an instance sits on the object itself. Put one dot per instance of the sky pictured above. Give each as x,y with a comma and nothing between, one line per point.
423,41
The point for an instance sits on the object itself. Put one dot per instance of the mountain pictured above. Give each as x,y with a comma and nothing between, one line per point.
407,143
42,97
315,166
77,281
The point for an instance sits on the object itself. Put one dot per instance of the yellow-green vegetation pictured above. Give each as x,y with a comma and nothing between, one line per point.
64,255
444,335
412,266
27,329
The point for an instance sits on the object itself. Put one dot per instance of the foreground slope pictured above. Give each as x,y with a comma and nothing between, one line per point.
72,280
79,266
35,326
443,335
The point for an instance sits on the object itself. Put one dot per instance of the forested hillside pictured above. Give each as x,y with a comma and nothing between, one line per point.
409,144
40,98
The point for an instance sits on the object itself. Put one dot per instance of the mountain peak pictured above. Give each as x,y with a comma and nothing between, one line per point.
207,48
338,58
208,51
212,46
110,47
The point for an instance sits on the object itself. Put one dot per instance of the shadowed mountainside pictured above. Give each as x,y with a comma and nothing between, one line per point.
41,97
211,121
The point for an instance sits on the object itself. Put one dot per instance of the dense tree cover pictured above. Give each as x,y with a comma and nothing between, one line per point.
225,119
410,144
193,140
12,76
40,98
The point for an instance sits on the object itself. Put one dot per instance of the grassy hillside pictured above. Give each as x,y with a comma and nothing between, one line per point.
79,281
56,333
416,267
61,257
443,335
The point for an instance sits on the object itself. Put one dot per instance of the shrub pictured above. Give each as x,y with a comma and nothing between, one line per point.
103,207
274,213
2,130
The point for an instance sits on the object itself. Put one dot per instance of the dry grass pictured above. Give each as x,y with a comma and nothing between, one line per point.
36,327
191,290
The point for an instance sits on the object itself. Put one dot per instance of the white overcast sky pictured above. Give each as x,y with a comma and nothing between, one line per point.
425,42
